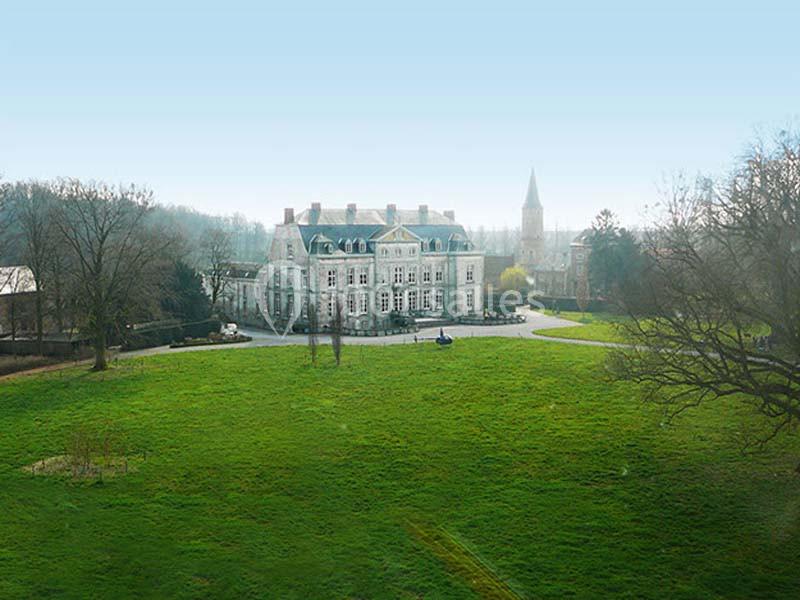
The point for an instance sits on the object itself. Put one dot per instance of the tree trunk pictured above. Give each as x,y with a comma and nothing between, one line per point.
100,360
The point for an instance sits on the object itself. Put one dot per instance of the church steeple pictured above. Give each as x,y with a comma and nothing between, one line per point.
531,248
532,199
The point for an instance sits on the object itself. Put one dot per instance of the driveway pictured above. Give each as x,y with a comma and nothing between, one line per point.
261,338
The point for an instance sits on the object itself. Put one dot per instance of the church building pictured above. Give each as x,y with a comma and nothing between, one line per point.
531,248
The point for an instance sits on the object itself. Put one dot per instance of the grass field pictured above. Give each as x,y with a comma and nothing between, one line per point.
494,467
598,327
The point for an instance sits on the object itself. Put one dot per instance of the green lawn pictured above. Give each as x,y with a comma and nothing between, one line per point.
408,472
598,327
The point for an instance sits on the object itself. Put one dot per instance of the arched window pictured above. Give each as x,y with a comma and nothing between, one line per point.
384,252
362,246
438,244
348,247
424,245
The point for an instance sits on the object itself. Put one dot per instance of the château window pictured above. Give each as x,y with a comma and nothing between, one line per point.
424,245
439,299
426,274
398,251
362,246
362,276
332,306
426,299
351,276
398,301
384,252
332,278
398,275
362,301
412,300
439,274
470,300
289,250
348,247
470,273
351,304
438,245
412,275
412,251
384,301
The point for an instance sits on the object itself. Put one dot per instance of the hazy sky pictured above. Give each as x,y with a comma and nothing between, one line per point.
251,107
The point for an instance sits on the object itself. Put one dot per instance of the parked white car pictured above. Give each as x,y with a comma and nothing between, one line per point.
229,329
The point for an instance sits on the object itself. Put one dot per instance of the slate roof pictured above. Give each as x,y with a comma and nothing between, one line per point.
532,198
369,224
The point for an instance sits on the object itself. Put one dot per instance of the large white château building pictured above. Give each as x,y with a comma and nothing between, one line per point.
378,264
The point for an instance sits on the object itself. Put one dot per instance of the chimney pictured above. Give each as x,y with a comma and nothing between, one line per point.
313,218
288,216
351,214
423,214
450,215
391,213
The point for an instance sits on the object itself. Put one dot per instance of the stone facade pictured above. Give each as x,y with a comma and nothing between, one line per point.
377,264
531,250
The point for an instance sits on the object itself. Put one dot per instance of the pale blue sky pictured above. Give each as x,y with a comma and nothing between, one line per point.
250,107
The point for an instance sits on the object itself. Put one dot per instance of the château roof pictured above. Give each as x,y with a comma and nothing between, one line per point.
370,216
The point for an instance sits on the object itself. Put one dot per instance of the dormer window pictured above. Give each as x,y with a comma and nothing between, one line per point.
438,245
424,245
362,246
329,248
348,247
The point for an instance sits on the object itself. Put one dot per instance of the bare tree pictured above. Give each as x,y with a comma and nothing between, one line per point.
716,312
217,248
116,255
32,208
337,327
313,329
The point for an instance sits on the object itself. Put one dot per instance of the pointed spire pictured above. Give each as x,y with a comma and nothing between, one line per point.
532,199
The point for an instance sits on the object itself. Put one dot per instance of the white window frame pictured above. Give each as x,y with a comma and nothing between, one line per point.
438,299
363,276
426,299
384,297
331,278
363,303
351,276
470,273
412,300
470,300
362,246
439,274
398,274
397,301
426,274
411,277
351,303
348,247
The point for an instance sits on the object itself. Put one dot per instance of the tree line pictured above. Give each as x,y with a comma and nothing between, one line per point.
103,257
